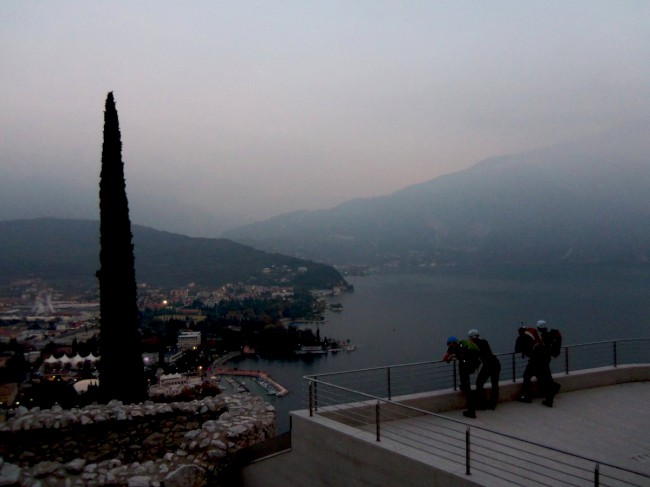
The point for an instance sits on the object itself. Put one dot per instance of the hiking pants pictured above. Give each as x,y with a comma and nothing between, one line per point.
493,371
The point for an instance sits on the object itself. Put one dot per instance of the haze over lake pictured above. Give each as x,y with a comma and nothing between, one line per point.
402,318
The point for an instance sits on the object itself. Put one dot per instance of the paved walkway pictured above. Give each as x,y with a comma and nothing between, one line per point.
608,425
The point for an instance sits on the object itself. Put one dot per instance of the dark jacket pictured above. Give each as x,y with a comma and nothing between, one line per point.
467,354
485,352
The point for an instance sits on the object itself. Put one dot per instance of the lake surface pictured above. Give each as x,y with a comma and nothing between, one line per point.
402,318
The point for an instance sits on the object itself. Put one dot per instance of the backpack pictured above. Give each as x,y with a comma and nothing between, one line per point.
553,341
528,341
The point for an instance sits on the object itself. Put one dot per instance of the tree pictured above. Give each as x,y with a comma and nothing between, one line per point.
121,369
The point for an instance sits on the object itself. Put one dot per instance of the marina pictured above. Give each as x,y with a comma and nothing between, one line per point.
263,379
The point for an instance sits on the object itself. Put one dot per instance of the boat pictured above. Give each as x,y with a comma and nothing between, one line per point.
336,307
237,385
270,390
311,350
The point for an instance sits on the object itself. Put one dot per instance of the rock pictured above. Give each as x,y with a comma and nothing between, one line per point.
9,474
219,444
139,481
75,466
190,435
21,411
215,455
154,440
186,476
45,469
236,431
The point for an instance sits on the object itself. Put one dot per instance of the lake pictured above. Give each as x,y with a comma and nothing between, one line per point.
396,318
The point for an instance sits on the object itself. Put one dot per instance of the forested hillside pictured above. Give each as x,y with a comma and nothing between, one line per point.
67,251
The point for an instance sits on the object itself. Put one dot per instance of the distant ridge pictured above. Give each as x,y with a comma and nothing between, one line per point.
67,251
582,201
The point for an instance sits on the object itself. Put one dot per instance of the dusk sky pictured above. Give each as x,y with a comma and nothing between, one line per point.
259,108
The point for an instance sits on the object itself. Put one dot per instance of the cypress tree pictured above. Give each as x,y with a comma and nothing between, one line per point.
121,369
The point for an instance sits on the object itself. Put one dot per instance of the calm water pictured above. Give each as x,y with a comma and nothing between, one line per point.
403,318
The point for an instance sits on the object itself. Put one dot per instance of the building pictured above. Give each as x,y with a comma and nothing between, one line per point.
188,340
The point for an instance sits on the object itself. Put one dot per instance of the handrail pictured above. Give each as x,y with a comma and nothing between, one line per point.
501,354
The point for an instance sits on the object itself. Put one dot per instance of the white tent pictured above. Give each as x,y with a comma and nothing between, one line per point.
51,360
77,361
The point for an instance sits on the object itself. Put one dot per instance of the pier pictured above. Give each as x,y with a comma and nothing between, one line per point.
280,390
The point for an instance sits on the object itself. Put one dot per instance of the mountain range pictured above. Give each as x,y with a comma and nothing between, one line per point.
585,201
582,201
66,252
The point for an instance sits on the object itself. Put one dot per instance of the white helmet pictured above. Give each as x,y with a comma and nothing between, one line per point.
541,325
473,333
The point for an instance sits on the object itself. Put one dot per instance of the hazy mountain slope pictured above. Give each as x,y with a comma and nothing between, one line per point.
585,201
68,251
39,196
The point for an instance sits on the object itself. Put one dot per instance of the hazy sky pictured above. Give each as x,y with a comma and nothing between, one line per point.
258,108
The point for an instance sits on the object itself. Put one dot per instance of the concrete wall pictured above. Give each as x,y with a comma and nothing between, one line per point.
325,452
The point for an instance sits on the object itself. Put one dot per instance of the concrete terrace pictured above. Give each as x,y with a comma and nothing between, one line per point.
600,422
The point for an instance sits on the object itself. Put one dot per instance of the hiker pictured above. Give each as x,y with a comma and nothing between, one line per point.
491,367
552,340
466,353
529,343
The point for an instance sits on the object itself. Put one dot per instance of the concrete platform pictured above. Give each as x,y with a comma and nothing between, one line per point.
609,424
572,443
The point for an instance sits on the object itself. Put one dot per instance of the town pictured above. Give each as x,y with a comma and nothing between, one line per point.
49,339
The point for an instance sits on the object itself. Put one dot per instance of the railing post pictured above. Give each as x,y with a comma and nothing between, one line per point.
388,379
377,416
566,360
615,355
597,475
315,394
467,471
311,398
514,367
455,385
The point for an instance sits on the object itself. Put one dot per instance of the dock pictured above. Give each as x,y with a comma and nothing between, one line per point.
280,390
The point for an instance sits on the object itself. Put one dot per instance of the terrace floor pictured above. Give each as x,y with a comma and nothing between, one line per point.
608,424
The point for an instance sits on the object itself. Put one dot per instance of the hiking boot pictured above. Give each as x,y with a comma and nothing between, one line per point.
525,399
469,414
548,403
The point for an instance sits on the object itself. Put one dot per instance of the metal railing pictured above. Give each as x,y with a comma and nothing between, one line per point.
364,398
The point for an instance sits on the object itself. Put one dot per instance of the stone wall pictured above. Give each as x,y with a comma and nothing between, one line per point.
148,444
